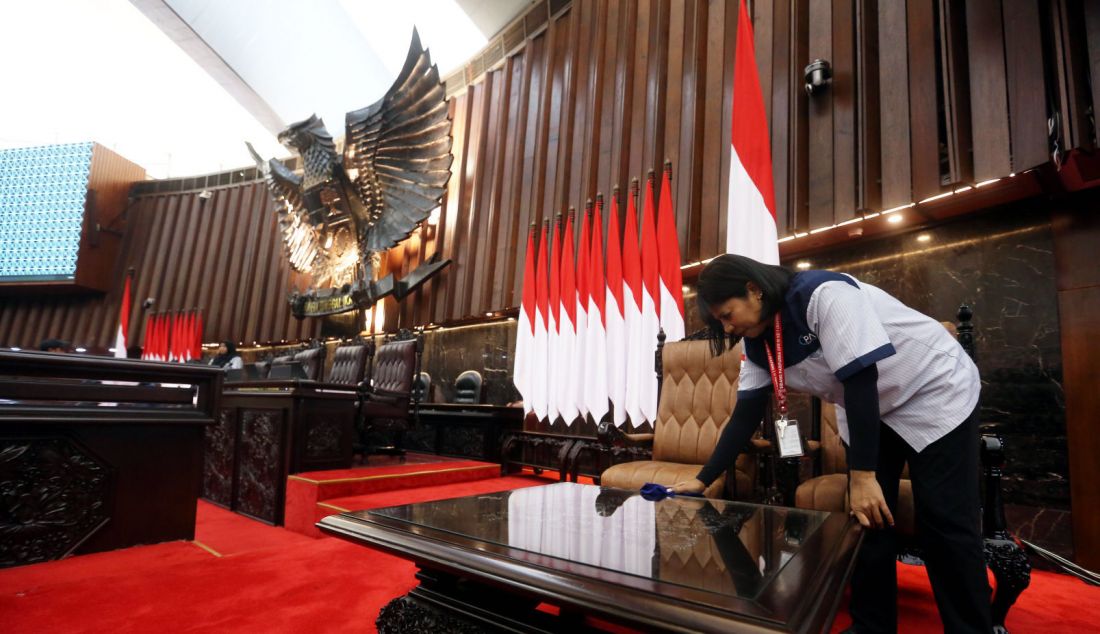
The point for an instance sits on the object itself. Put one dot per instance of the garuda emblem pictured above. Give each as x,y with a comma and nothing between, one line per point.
342,212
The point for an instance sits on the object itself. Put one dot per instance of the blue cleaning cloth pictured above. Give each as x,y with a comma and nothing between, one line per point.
655,492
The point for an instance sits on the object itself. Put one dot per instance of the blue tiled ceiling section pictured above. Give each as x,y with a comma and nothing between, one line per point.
42,193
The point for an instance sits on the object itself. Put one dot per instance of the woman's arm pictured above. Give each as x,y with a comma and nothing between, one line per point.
862,410
741,426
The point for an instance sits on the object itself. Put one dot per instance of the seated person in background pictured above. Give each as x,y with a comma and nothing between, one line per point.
53,345
227,357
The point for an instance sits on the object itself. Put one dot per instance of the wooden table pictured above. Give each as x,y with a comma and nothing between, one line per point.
98,453
267,430
680,564
464,430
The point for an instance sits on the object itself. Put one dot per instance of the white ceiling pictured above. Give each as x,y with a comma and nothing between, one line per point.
177,86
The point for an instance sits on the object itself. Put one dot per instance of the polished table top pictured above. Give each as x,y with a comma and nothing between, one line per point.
679,563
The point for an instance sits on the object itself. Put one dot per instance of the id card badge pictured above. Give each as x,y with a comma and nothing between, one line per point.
788,438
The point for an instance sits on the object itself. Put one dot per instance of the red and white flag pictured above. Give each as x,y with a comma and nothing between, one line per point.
541,353
668,259
197,351
553,343
123,322
567,333
636,358
580,325
615,317
525,333
651,304
750,220
595,347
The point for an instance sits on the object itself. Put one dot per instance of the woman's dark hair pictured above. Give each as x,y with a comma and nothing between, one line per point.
727,276
230,352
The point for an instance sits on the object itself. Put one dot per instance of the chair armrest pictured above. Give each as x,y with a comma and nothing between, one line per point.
609,434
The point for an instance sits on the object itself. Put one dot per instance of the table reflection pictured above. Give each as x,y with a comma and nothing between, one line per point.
730,548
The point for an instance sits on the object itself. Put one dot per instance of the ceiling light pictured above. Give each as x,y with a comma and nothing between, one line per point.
803,265
924,237
895,218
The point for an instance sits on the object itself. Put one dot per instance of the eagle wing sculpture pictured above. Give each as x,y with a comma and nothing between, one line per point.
401,149
338,214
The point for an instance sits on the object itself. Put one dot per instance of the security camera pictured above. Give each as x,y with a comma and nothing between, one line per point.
818,76
206,194
148,303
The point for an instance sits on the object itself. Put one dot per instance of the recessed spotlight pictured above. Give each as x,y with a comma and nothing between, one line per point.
924,237
81,349
894,218
803,265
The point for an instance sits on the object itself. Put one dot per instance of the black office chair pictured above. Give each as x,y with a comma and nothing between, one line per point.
422,388
468,387
386,397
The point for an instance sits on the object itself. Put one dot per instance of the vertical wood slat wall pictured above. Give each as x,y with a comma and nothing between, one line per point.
603,91
609,90
219,255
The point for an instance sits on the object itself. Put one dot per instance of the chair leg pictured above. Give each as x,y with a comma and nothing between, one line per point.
1012,572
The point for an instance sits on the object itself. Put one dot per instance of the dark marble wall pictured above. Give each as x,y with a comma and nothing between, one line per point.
1002,265
488,348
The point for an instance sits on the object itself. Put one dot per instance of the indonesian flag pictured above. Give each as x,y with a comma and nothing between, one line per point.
750,216
636,359
668,260
540,344
651,306
123,322
196,352
174,337
189,336
152,338
615,319
580,371
567,333
553,344
525,334
595,347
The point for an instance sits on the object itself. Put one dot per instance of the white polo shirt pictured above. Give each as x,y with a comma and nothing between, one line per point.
835,325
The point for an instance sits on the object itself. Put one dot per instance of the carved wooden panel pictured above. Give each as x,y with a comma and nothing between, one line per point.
260,464
54,494
220,445
323,437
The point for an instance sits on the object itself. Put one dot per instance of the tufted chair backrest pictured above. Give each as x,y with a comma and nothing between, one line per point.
394,365
313,362
348,365
698,392
468,387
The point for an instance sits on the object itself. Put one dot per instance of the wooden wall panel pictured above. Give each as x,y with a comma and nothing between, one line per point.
601,92
923,102
219,255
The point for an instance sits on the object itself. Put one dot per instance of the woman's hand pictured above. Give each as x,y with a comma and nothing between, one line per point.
688,486
866,500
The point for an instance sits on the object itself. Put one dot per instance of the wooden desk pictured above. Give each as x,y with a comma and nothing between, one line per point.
464,430
99,453
680,564
267,430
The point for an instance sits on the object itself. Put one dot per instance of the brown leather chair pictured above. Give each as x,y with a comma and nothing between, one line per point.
313,362
698,392
349,363
388,393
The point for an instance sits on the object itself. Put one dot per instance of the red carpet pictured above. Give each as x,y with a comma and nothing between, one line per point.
305,490
272,580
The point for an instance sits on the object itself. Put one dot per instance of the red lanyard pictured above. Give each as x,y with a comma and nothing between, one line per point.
779,380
